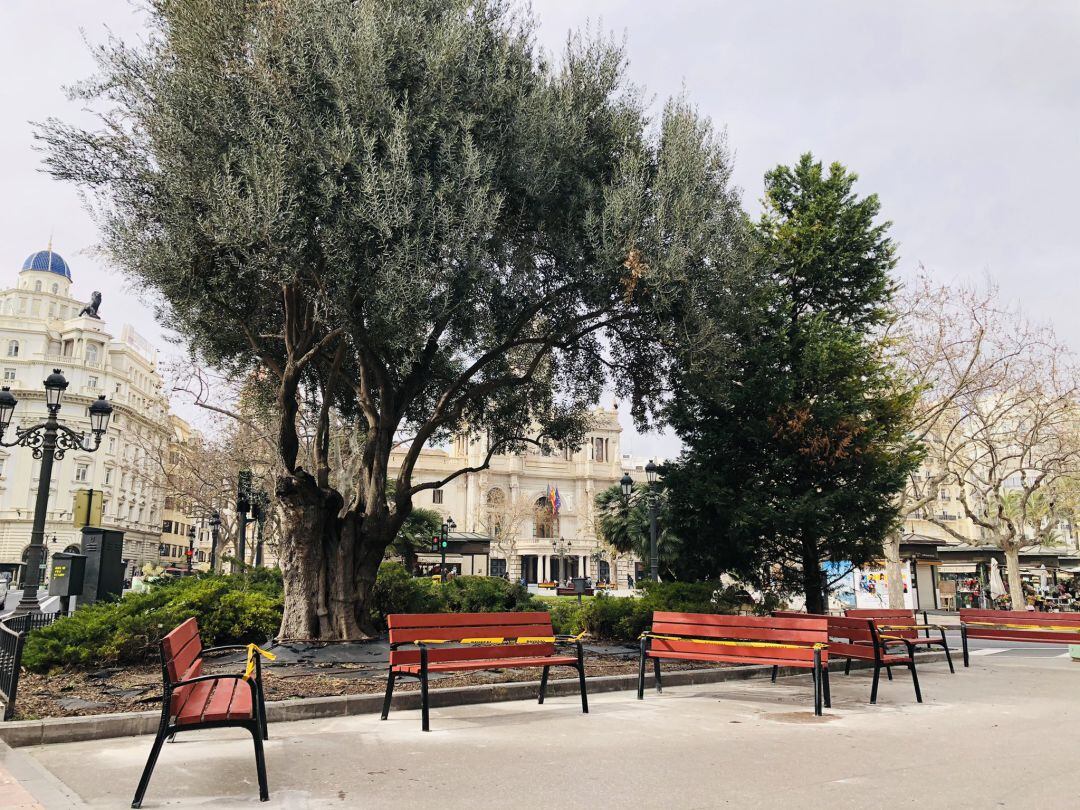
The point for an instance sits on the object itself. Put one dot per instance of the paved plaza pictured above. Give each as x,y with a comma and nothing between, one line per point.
1000,734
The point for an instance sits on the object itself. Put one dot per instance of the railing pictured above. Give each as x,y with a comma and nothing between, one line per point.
13,633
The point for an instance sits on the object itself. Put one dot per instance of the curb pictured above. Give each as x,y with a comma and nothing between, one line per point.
52,730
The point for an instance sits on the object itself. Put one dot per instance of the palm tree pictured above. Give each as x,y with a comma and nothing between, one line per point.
624,525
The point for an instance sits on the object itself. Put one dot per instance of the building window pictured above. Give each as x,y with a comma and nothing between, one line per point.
92,382
108,475
436,496
543,520
3,461
13,348
166,527
112,444
91,353
82,472
498,567
37,286
55,289
9,374
600,449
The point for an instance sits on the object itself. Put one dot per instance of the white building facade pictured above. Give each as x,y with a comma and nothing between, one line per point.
510,503
41,328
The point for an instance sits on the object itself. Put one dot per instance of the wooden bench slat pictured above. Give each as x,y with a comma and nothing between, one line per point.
193,701
403,621
702,622
217,708
718,652
495,663
412,655
746,633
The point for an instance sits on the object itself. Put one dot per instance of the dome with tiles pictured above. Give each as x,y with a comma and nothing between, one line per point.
47,261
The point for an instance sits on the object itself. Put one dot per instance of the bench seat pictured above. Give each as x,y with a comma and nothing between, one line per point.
216,701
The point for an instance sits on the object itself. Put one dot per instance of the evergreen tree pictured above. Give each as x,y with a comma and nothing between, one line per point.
796,448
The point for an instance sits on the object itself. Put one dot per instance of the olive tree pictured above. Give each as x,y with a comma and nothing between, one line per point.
399,215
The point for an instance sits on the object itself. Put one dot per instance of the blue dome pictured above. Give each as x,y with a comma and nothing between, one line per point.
49,262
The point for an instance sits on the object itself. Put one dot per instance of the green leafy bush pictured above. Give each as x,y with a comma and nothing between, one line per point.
396,591
231,609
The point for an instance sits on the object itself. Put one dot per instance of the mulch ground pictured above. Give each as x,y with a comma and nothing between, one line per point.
133,689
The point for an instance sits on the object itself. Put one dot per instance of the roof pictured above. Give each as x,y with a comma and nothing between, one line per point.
47,261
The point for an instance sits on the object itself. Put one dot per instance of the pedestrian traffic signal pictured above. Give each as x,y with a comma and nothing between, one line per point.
434,543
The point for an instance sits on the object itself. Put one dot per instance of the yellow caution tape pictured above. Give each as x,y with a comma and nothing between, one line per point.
729,643
252,650
1049,628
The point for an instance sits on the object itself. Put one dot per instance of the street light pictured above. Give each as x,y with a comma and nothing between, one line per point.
560,548
47,441
651,473
627,484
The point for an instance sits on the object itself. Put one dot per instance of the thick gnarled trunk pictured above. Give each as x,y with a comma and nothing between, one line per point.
813,579
329,563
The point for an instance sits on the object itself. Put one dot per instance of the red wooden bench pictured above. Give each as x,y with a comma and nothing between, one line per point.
457,642
192,700
858,638
1018,625
794,642
900,623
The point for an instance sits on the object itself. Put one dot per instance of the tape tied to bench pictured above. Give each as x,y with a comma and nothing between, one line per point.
1042,628
253,651
731,643
501,640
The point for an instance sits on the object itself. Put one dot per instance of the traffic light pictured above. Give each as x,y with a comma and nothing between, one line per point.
445,543
434,543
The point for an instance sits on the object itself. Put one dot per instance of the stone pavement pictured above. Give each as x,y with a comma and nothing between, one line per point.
1003,733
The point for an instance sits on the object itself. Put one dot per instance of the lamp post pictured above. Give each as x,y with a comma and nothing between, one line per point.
215,524
560,547
447,527
243,506
190,547
627,485
48,440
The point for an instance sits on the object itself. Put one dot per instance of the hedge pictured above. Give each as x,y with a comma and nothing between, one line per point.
240,608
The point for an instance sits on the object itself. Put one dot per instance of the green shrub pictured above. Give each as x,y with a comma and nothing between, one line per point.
231,609
397,591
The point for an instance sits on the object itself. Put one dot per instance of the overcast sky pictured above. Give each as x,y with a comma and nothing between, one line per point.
962,116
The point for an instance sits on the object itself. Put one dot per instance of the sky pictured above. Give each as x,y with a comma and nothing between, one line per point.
963,116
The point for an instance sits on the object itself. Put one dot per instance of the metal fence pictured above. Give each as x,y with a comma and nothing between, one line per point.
13,633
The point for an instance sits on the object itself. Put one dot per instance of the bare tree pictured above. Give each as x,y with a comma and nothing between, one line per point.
1007,443
954,344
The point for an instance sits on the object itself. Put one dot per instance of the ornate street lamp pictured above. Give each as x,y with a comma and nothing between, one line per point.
627,485
48,440
651,473
560,548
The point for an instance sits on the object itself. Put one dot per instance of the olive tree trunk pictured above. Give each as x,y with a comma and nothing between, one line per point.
1012,568
894,571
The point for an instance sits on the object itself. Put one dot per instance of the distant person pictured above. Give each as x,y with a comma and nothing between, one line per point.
629,582
524,581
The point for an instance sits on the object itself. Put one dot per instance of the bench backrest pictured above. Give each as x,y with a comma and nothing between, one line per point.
181,658
892,617
849,636
406,628
684,628
979,624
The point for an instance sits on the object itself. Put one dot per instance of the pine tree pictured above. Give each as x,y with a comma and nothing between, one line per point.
796,448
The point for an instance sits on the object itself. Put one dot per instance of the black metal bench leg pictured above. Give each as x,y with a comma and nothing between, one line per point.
656,675
262,711
543,684
948,655
847,667
641,672
151,761
963,640
775,672
873,687
584,694
816,673
825,686
391,676
888,671
424,719
915,680
260,761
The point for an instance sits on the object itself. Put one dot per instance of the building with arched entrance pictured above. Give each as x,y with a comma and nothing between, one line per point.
535,508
